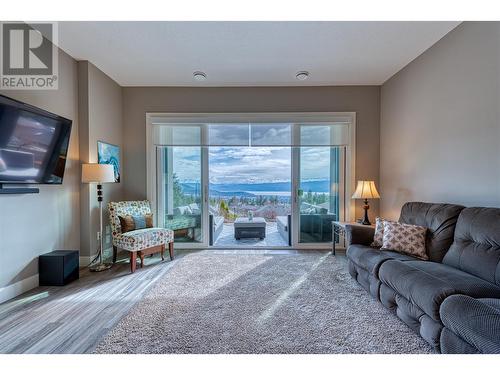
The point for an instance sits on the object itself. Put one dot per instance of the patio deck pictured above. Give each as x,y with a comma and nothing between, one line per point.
273,238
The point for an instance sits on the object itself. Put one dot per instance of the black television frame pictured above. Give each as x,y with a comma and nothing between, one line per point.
30,108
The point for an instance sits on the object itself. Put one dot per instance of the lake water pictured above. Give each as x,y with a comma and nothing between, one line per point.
271,193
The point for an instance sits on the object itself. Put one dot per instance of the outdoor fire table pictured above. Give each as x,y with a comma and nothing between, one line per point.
246,228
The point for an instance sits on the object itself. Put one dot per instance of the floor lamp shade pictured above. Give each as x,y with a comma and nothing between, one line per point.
98,173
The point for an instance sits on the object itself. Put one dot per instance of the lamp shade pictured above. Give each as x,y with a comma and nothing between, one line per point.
366,190
98,173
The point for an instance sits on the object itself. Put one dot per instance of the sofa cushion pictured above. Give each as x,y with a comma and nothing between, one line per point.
359,234
183,210
180,222
439,219
143,238
476,321
476,247
370,259
195,209
427,284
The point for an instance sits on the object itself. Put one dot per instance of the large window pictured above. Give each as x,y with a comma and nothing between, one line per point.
291,172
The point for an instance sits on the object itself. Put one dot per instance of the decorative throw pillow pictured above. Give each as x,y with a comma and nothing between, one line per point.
405,238
127,223
139,221
149,220
378,238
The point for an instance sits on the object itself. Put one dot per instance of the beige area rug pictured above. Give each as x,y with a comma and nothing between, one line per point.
263,303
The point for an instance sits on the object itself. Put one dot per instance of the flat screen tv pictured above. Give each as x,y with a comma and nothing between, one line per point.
33,144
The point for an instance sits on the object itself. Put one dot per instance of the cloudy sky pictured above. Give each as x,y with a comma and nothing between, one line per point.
250,164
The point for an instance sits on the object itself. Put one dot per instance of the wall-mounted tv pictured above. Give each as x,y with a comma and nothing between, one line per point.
33,144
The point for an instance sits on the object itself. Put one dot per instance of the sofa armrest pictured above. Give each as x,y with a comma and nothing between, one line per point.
476,321
359,235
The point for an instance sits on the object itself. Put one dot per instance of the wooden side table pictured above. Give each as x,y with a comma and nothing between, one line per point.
338,230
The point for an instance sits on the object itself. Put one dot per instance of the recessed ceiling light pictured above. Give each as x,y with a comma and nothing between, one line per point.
199,76
302,76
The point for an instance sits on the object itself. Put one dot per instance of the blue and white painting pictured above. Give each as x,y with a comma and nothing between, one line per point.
109,154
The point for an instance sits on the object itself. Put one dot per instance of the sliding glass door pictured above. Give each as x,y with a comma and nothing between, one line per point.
180,185
250,174
181,192
318,193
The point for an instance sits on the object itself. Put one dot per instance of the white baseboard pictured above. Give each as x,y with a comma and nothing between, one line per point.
13,290
20,287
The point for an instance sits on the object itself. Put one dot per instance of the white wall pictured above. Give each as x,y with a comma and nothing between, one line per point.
440,123
33,224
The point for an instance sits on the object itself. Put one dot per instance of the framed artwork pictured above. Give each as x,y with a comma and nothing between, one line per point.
109,154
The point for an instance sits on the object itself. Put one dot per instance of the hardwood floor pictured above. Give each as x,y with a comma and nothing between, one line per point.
73,318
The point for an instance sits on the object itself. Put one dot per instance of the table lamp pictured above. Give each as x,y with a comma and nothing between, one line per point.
366,190
98,174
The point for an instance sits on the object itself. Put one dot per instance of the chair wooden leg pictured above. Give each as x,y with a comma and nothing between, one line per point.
162,252
171,250
115,251
133,260
141,255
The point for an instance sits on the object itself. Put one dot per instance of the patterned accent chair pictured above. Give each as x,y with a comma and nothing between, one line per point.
140,242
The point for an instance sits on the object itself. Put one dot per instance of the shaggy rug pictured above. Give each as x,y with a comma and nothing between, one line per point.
260,303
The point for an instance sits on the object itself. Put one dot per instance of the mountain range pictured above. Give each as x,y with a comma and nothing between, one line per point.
247,189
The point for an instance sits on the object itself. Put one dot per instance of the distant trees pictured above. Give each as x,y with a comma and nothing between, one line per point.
315,198
181,199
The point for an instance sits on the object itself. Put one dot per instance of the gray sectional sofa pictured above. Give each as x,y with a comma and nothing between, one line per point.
471,325
463,245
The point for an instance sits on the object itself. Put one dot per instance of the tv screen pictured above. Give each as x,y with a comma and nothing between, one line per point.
33,144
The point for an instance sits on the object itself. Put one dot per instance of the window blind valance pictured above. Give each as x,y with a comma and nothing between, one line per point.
252,134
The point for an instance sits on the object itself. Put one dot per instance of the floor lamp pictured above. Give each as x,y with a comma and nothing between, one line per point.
98,174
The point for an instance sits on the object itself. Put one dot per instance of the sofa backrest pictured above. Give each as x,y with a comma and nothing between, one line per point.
123,208
476,247
439,218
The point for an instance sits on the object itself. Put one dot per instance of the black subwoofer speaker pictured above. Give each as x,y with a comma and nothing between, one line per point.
58,267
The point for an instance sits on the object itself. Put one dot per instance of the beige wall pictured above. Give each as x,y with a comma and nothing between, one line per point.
33,224
364,100
61,216
440,130
100,120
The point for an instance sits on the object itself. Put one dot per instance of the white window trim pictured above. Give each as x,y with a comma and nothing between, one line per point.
153,118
